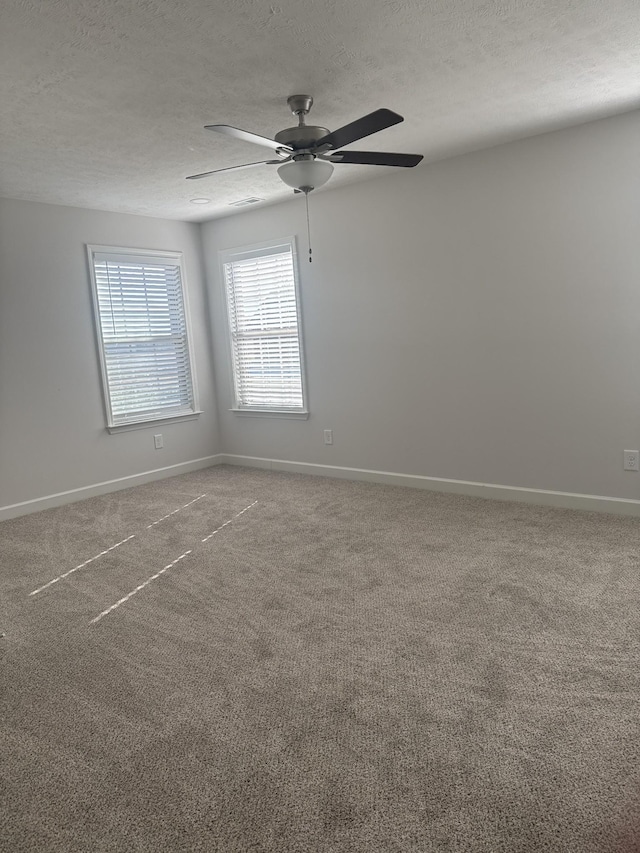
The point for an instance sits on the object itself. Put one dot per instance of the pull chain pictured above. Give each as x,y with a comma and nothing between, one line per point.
306,198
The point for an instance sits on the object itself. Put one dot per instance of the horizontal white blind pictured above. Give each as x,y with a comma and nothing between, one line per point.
264,322
144,337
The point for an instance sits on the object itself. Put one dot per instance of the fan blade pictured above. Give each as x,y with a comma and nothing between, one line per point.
375,158
246,136
231,168
365,126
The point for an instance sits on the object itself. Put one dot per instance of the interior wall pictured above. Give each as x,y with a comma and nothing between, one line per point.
475,319
53,435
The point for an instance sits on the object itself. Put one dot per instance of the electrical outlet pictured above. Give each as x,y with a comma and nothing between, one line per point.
631,460
328,436
158,442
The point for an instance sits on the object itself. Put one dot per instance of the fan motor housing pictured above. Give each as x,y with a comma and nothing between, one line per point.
303,136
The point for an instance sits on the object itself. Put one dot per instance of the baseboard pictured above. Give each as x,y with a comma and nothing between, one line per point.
73,495
564,500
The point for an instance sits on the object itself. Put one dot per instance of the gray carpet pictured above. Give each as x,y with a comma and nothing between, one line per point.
340,667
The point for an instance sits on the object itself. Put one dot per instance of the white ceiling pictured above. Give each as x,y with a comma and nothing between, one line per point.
104,101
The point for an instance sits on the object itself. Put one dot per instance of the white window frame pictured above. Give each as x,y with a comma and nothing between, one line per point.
134,420
242,253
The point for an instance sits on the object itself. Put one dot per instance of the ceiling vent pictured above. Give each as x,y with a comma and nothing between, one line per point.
246,201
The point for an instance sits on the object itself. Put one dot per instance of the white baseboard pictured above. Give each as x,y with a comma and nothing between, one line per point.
73,495
565,500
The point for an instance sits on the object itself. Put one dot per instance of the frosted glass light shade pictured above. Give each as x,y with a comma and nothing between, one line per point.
305,174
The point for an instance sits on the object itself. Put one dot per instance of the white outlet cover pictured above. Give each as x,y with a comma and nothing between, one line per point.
631,460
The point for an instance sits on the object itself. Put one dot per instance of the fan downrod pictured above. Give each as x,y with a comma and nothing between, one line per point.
302,137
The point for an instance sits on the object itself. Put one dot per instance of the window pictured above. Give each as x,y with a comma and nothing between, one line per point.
142,334
264,322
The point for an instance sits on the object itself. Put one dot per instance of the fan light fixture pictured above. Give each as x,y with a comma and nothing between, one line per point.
298,148
305,174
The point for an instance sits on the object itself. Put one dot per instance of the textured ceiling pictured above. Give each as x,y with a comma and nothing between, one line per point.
104,101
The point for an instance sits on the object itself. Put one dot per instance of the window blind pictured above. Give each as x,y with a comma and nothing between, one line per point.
264,323
143,337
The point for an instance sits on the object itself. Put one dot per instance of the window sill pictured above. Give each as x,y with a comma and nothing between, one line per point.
154,422
271,413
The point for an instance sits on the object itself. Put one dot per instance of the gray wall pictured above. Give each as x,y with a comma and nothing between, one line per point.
475,319
52,420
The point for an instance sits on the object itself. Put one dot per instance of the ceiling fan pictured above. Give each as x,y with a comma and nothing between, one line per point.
307,153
